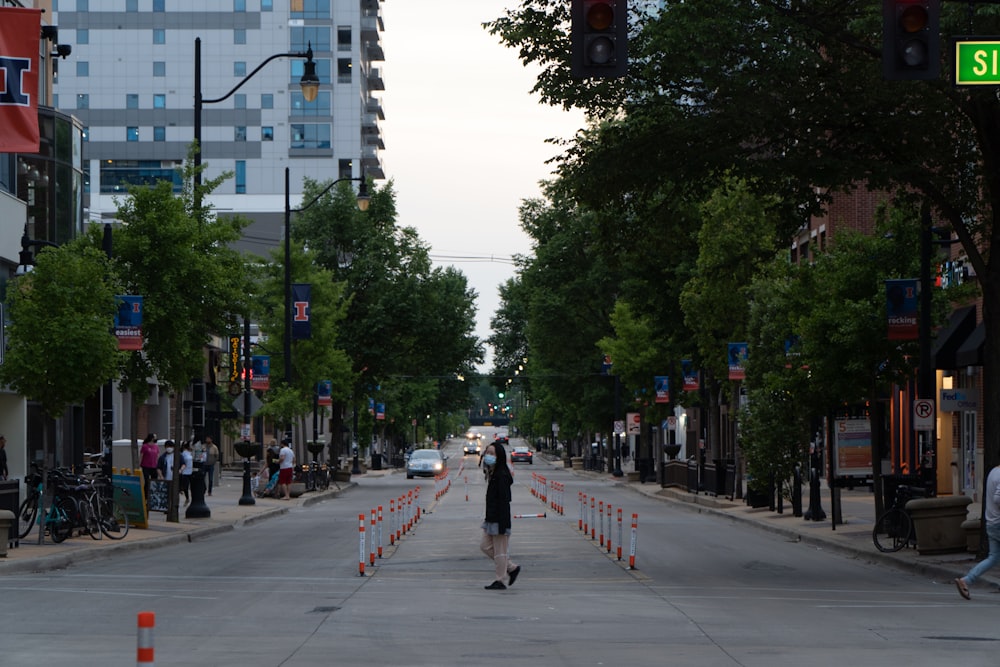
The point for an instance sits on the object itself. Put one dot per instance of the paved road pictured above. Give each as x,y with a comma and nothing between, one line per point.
713,586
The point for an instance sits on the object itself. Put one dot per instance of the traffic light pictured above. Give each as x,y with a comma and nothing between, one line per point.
599,37
911,39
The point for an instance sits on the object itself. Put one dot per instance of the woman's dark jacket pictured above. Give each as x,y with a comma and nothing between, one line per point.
498,498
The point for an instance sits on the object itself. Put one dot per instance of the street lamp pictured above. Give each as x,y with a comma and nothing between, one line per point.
363,200
309,83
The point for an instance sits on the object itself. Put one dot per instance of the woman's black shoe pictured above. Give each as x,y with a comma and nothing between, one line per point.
496,586
512,575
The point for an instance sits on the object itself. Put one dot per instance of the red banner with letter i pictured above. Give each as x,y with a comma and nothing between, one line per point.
20,34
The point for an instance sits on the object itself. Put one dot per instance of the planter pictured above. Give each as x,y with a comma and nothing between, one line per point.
938,523
296,489
577,462
972,528
633,476
342,475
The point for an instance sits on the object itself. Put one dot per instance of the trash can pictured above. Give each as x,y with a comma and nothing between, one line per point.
8,524
10,500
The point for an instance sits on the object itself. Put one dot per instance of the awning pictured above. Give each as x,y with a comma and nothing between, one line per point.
971,351
961,324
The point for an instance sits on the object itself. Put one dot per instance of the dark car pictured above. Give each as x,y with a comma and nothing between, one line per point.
425,463
521,454
473,446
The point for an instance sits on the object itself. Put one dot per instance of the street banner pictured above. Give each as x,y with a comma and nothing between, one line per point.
606,365
738,353
690,375
301,328
20,31
260,377
380,411
662,386
128,322
901,309
324,393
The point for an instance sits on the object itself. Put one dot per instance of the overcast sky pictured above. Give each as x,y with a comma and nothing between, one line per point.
464,137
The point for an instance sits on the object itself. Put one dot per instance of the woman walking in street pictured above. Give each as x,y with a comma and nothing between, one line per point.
496,527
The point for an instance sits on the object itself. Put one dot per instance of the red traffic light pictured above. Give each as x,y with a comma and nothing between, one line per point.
600,16
599,38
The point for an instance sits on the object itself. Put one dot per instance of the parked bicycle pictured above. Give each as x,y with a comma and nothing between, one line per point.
894,529
63,511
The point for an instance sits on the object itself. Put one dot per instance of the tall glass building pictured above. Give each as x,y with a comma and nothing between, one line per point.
130,81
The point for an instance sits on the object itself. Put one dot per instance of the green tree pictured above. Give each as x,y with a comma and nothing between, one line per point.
60,348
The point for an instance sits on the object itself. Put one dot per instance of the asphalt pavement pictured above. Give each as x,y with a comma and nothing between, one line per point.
851,538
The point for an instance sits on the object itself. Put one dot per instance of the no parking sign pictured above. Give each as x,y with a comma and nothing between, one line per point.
923,414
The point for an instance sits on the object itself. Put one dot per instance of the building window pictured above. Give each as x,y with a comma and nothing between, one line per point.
267,133
240,133
241,177
343,70
239,5
310,9
82,101
159,101
344,38
344,168
158,6
131,101
266,5
321,106
159,68
319,37
116,175
82,68
83,36
239,101
239,36
310,135
239,68
131,134
131,5
159,133
297,67
86,134
83,5
267,101
159,36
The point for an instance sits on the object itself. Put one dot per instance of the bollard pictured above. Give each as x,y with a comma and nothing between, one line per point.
371,542
466,488
579,501
593,518
619,533
379,531
609,527
392,521
144,650
361,532
631,549
600,513
583,512
540,515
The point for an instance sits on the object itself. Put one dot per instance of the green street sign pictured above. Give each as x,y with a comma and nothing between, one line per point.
977,61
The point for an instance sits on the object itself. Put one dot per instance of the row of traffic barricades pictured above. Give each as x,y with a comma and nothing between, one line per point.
549,491
592,523
404,513
442,482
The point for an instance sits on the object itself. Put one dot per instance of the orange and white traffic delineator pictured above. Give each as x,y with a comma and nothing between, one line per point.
466,478
371,542
540,515
600,513
379,531
361,532
392,521
583,513
593,518
144,651
609,527
631,550
619,533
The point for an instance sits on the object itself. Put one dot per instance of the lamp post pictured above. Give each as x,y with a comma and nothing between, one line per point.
309,83
363,200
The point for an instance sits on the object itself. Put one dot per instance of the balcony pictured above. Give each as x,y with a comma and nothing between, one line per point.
373,105
375,81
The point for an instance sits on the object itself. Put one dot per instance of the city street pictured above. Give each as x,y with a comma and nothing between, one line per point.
706,591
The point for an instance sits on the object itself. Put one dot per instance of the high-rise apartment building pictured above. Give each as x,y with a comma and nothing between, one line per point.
130,81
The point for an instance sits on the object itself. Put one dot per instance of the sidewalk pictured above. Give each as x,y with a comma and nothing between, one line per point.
226,514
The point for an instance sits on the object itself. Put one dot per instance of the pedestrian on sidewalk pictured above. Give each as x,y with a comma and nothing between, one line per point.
286,466
149,456
496,528
187,467
211,459
992,497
